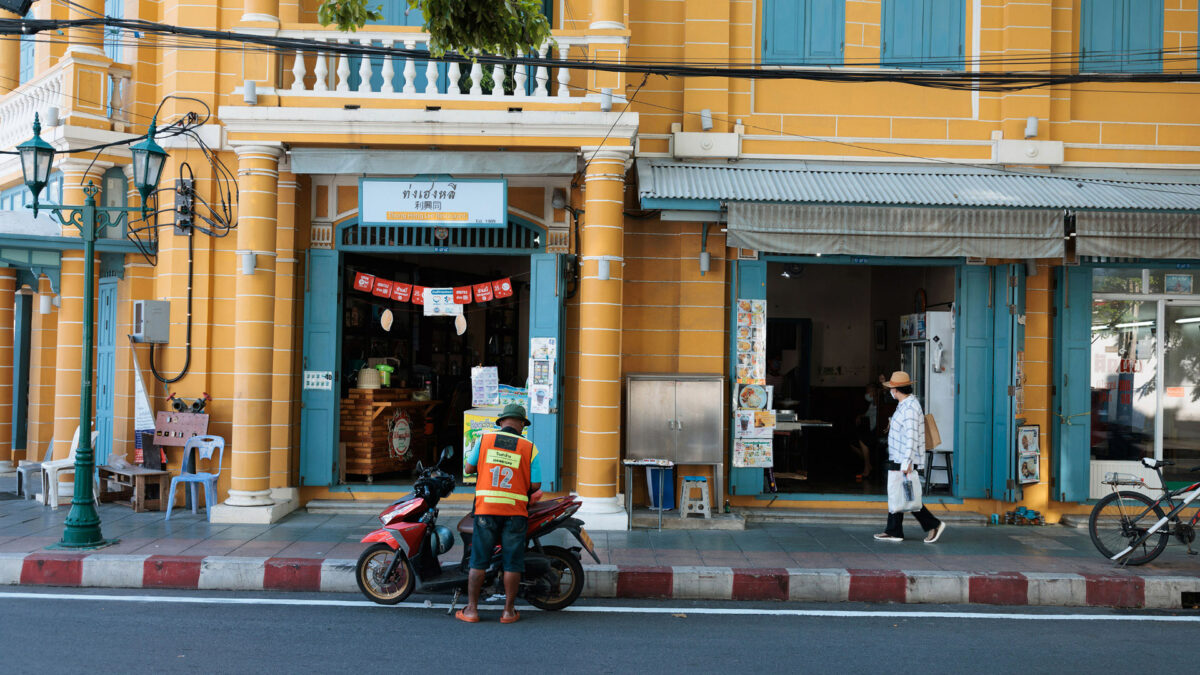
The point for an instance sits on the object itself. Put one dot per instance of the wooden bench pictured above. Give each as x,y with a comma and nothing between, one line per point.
133,480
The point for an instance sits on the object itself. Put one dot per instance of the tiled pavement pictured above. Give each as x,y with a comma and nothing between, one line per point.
1062,553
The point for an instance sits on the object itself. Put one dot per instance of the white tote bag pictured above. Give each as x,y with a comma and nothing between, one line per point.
897,503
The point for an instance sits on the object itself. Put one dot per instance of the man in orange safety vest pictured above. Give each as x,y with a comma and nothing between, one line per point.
505,463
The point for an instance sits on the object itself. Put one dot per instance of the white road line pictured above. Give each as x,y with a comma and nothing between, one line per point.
738,611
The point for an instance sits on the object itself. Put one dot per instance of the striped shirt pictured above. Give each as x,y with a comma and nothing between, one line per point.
906,434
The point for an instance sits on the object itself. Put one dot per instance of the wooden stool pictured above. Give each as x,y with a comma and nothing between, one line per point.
689,504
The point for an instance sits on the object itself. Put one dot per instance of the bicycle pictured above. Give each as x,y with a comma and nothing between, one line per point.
1124,521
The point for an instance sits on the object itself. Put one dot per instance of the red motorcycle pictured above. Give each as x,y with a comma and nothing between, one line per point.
403,556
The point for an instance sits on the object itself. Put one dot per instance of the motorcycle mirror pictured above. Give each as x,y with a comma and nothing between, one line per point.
420,468
447,453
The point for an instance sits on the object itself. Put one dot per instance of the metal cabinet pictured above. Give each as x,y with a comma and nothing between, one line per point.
679,417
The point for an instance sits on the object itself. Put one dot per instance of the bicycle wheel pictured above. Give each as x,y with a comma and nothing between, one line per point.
1120,519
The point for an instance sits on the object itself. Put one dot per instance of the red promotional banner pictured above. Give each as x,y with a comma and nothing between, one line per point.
462,295
383,288
364,282
503,288
401,292
418,295
483,292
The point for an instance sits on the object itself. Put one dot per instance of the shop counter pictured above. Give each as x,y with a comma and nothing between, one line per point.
383,430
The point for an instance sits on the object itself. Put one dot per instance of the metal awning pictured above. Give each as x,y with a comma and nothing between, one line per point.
34,246
809,208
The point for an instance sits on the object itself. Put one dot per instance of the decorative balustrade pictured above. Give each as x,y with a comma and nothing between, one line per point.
320,73
18,106
49,90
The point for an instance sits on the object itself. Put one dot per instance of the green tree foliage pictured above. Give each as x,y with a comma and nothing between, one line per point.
492,26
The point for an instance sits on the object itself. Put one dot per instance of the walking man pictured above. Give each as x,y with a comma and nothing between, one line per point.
906,450
505,463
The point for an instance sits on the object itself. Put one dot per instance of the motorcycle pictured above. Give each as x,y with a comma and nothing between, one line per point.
403,555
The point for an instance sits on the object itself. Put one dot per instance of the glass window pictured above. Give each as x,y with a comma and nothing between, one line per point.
1181,391
1124,366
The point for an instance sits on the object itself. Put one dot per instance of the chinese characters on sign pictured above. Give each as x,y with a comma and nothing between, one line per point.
434,202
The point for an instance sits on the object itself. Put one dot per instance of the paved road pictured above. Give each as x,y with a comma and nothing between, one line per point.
177,631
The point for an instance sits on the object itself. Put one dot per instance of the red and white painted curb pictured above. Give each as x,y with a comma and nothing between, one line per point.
224,573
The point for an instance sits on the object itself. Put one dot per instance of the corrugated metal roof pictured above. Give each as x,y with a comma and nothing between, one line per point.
910,186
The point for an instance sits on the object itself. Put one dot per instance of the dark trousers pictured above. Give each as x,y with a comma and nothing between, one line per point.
895,522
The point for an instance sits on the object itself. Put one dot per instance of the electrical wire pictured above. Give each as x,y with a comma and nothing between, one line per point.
975,80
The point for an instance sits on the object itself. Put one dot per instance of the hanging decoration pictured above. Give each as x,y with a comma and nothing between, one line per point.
437,301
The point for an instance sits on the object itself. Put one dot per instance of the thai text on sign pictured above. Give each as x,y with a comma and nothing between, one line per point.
445,202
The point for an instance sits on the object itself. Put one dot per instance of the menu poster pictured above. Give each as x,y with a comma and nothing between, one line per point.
542,348
750,336
750,453
754,424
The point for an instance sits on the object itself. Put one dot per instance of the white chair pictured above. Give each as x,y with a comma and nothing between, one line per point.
51,469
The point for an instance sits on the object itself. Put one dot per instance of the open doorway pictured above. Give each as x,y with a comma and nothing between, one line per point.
833,331
391,421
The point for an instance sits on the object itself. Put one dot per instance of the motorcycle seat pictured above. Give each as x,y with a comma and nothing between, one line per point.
467,524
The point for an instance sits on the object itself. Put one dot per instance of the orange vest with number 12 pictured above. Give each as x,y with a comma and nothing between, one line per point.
502,486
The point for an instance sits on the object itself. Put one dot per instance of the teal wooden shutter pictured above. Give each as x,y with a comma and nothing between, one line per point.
546,320
782,24
106,366
803,32
322,353
1100,35
1009,339
973,403
22,334
1121,36
924,34
1072,385
751,284
1142,36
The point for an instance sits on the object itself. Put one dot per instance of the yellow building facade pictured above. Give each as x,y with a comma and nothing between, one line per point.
638,212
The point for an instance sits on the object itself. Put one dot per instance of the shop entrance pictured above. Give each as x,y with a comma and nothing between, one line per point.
834,332
359,433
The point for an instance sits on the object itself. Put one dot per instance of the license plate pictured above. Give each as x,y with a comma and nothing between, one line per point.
587,541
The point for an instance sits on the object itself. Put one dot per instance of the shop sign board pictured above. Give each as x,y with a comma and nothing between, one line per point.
433,202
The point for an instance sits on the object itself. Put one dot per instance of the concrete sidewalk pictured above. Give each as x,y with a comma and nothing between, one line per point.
1050,565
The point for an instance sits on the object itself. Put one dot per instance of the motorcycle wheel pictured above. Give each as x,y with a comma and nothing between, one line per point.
566,580
369,574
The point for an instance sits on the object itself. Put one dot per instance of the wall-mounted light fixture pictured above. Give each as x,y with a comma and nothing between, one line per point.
706,122
1031,127
249,262
43,303
705,257
606,99
250,92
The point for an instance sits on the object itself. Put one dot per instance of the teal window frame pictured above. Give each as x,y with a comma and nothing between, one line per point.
27,55
911,29
1120,36
803,32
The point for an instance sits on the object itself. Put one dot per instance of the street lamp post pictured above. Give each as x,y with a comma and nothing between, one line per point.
82,527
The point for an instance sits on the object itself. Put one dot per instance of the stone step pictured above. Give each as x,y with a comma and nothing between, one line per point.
646,519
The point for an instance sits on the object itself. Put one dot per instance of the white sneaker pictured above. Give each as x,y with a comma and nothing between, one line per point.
884,536
935,533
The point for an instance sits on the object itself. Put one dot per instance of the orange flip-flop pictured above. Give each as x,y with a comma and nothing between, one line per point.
511,619
463,617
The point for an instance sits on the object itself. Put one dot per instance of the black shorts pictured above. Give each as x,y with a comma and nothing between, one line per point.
509,531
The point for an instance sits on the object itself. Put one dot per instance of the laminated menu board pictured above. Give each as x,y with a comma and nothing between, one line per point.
750,338
752,453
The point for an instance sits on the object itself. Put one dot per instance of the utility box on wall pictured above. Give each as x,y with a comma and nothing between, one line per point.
151,321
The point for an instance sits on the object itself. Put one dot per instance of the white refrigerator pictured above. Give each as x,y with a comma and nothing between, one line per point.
927,355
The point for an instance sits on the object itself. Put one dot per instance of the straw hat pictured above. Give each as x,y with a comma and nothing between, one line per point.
899,379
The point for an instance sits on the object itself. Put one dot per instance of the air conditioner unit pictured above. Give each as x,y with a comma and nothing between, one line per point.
151,321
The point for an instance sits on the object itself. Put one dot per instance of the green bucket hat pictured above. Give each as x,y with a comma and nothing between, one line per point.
514,411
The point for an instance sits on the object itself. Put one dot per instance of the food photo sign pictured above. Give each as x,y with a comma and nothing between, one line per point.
753,414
